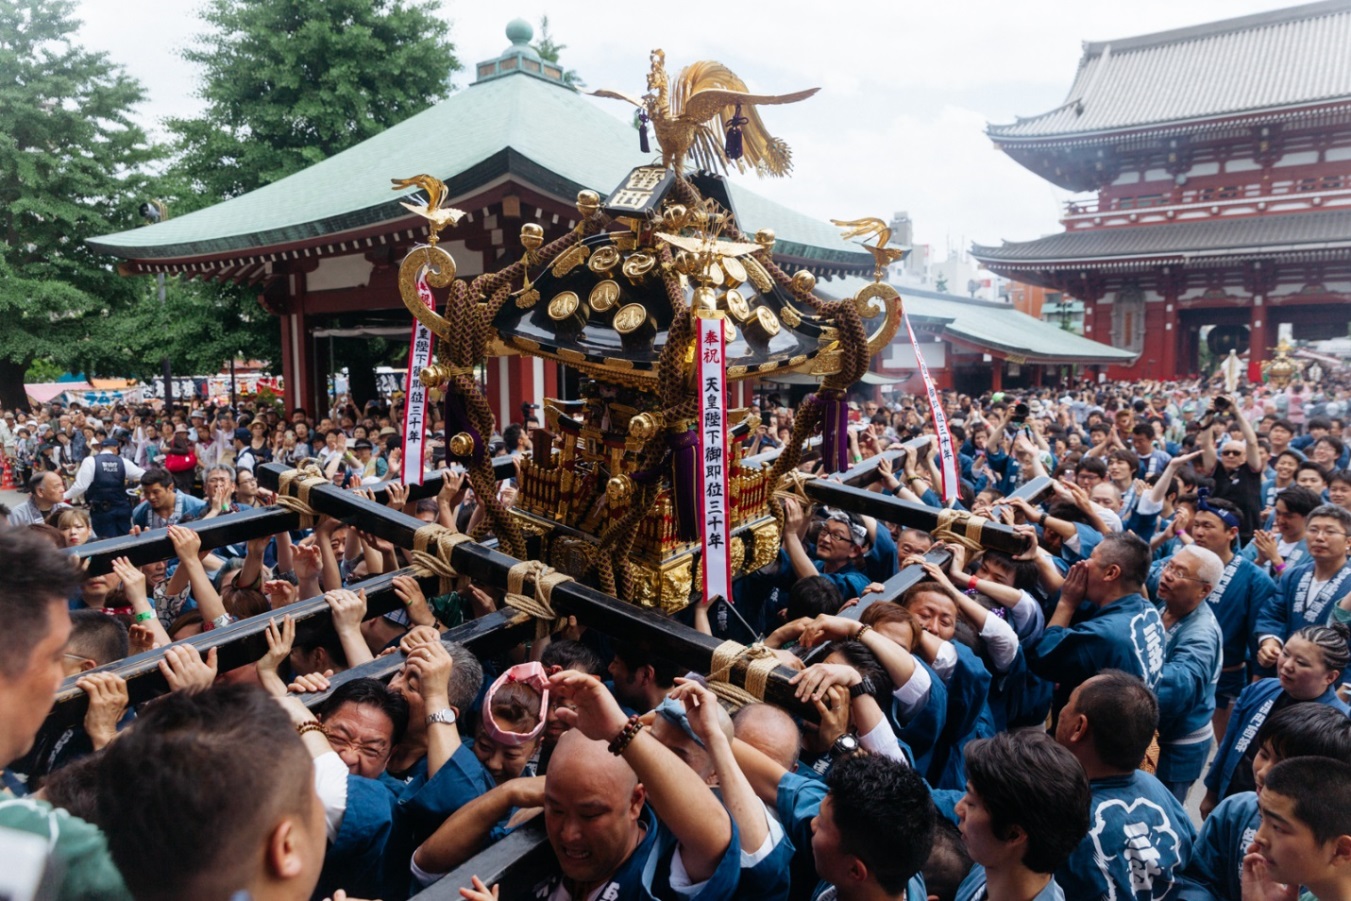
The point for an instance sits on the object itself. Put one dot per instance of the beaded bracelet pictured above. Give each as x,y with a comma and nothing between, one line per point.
621,741
311,726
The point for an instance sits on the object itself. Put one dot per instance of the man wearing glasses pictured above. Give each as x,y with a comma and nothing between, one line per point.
1306,593
1191,669
840,546
1237,468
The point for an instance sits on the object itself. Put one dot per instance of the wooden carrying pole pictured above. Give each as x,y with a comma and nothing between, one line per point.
619,619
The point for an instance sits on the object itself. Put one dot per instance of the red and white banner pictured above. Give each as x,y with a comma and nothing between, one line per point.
415,393
713,458
947,454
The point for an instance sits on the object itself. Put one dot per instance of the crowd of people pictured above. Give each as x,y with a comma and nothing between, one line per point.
1011,727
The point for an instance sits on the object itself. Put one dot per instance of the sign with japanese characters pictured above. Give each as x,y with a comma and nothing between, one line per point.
641,192
415,407
712,366
947,454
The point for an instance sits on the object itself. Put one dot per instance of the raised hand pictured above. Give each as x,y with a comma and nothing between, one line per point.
279,643
397,496
828,628
133,580
479,892
280,593
594,712
140,638
311,682
348,608
186,542
184,669
701,707
108,701
414,601
814,681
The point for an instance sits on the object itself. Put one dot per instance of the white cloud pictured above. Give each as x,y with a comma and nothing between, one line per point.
907,88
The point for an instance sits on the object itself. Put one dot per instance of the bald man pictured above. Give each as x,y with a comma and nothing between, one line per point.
771,731
617,822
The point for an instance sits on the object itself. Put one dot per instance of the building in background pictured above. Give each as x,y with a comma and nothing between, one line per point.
1218,158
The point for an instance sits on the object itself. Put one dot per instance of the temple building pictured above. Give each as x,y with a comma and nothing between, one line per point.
322,247
514,147
1220,160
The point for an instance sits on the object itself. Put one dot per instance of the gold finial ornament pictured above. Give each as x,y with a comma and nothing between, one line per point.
588,202
462,444
437,215
765,238
691,117
803,281
1281,369
883,256
532,236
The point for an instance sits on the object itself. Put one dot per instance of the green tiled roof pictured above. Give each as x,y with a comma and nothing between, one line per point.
542,133
995,326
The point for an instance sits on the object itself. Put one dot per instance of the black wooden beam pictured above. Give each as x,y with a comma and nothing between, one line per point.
154,545
618,619
516,864
886,508
238,644
485,636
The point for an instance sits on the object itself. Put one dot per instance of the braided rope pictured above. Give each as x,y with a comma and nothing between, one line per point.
760,662
540,604
304,478
960,527
433,545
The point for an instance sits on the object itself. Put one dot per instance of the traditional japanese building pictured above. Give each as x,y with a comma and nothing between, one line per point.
1220,160
322,247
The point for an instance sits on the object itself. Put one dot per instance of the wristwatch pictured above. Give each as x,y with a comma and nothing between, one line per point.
445,715
865,686
845,745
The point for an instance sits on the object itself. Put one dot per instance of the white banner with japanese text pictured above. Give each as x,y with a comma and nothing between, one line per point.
947,454
713,457
415,393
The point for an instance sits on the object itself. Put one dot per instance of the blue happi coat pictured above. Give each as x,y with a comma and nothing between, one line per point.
1139,840
1186,693
799,801
1250,711
1127,634
1291,608
1216,864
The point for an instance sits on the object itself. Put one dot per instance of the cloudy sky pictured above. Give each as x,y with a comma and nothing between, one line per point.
906,88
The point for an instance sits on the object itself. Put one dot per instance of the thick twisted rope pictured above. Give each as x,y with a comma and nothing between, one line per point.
540,604
304,478
960,527
432,546
760,662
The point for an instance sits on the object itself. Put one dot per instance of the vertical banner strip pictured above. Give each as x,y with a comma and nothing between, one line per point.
947,454
713,457
415,393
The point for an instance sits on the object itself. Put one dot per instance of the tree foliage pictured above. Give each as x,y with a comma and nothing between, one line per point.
288,83
71,160
549,50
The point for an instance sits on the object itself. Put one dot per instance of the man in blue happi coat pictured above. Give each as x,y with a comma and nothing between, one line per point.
1304,730
1117,629
1191,669
1139,837
1308,592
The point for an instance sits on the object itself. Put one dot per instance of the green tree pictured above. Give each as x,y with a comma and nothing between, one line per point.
549,50
288,83
71,164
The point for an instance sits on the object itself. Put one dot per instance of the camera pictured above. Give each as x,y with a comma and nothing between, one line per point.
1221,403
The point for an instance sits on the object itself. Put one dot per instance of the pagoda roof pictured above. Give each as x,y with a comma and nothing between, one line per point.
1285,234
510,125
1277,61
993,327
